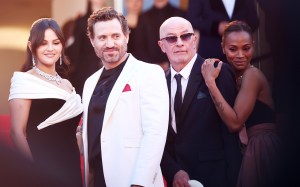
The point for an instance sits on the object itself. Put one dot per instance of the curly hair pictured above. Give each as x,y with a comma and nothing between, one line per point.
106,14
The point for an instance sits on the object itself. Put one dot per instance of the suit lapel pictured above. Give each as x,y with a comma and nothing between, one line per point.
237,7
91,86
194,82
168,77
86,97
127,72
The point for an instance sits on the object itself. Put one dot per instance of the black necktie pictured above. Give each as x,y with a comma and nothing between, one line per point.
178,99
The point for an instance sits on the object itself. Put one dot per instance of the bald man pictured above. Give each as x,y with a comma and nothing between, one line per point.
199,146
146,48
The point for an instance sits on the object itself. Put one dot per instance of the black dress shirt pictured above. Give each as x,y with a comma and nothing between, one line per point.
96,112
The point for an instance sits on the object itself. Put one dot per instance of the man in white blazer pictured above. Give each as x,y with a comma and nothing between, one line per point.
126,111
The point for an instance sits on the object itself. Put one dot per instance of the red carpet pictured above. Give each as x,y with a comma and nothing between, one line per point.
5,130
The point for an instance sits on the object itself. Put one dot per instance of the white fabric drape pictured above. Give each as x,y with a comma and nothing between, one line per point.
27,86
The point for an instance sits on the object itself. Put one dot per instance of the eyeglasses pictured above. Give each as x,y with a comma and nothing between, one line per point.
173,39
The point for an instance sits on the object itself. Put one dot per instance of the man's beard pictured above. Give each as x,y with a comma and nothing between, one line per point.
116,57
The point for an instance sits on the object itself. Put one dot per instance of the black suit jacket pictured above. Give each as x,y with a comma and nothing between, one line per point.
205,16
203,146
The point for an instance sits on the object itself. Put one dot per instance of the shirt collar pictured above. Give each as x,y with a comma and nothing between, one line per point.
186,71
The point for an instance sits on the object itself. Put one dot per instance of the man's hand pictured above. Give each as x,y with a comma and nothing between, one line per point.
209,71
181,179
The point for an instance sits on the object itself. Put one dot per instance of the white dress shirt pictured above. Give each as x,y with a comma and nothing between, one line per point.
229,6
185,73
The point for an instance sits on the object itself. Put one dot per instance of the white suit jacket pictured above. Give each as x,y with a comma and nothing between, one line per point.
134,126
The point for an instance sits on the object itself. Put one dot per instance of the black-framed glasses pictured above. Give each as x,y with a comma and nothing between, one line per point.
173,39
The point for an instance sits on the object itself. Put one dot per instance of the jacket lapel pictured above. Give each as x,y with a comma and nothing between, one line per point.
237,7
194,82
168,77
127,72
218,5
89,88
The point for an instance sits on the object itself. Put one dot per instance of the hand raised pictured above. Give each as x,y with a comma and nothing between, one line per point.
209,71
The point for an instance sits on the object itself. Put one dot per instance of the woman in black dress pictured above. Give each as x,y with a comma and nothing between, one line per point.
253,107
45,109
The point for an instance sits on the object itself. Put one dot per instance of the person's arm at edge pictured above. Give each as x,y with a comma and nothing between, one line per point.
19,110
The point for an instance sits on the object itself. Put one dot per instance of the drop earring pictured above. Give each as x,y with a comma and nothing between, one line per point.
60,60
33,61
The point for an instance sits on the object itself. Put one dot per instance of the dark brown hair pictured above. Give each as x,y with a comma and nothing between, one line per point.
106,14
237,26
36,37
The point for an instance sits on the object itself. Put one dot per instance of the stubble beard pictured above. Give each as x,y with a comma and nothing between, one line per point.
115,58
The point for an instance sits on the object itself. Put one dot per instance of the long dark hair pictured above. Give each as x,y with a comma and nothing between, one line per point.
36,37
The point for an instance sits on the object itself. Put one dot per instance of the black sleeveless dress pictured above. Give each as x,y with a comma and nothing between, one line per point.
260,165
54,148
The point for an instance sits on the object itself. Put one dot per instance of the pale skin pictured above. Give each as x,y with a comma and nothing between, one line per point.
238,48
110,43
179,55
48,54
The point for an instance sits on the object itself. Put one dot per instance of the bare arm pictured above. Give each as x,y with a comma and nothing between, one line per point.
19,110
234,117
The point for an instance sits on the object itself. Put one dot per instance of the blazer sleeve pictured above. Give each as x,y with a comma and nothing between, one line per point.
154,111
168,164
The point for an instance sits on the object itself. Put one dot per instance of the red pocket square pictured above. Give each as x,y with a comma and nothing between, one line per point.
126,88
